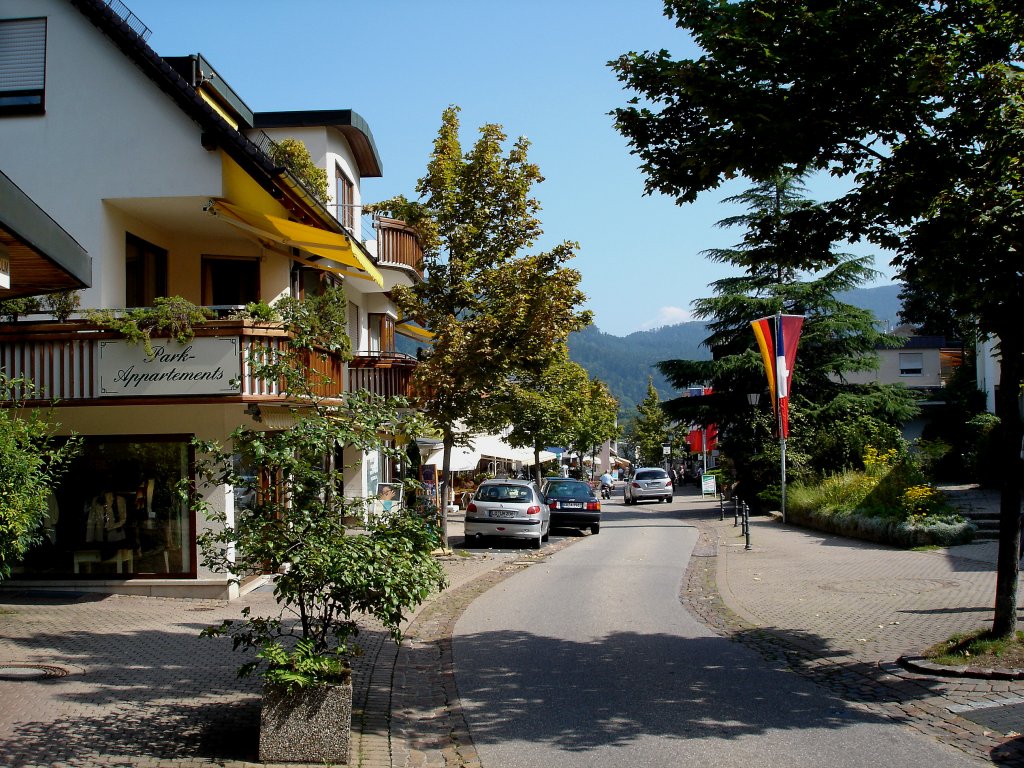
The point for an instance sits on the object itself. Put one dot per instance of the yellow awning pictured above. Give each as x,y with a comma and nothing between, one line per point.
411,331
320,242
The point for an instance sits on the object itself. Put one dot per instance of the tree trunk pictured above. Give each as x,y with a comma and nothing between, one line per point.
536,464
446,479
1011,430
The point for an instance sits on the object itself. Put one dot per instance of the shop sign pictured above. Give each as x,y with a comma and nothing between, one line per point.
203,366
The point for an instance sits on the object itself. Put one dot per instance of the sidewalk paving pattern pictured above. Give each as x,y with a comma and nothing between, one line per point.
90,680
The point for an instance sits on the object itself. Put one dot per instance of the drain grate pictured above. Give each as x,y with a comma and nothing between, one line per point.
30,671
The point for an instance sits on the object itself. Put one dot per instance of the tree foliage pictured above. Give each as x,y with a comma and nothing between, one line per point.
920,103
294,525
495,314
837,338
31,463
650,429
543,407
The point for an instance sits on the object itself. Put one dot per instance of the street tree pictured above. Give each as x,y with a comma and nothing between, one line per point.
544,407
596,422
31,463
916,104
495,314
650,428
838,338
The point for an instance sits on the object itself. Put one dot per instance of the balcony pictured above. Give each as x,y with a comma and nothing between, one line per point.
398,246
79,363
388,374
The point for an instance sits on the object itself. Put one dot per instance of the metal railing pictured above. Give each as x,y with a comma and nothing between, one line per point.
125,14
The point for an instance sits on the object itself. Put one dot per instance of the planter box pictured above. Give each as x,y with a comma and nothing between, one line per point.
309,725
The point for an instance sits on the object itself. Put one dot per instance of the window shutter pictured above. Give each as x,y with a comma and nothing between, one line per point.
22,55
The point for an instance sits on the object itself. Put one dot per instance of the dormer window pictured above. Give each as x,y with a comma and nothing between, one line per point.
22,66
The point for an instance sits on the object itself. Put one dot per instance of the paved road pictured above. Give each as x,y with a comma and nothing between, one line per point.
588,658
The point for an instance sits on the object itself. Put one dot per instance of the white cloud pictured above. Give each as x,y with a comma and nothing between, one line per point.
668,316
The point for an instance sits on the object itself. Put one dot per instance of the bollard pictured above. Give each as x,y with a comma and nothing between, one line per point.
746,519
721,507
735,511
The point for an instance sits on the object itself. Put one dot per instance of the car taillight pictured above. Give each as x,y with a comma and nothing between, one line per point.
534,510
668,483
593,506
553,505
471,507
636,485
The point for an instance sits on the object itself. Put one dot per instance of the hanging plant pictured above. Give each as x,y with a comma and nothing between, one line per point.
170,315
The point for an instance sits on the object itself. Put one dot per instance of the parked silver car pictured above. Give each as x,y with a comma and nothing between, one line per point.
648,483
512,509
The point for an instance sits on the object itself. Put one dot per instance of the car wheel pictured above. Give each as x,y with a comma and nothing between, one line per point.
536,542
595,529
547,533
669,500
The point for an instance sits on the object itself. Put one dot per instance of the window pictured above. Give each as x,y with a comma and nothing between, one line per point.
381,328
117,513
345,196
145,272
911,363
22,66
230,282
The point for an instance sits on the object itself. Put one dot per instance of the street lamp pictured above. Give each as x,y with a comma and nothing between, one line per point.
754,398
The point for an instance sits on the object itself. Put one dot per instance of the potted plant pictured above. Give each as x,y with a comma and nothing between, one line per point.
292,525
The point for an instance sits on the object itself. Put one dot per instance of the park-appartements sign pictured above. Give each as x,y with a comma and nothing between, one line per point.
204,366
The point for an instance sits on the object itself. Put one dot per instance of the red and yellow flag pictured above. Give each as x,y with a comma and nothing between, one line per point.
777,338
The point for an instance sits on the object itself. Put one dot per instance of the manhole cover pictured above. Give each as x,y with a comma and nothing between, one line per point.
30,671
889,586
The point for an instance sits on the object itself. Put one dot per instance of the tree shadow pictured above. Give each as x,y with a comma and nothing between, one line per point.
582,695
141,693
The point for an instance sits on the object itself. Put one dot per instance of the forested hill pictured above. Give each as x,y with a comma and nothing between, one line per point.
625,362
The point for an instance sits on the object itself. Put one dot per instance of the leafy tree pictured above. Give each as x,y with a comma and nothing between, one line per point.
31,463
596,421
495,315
543,407
294,526
921,102
837,338
650,429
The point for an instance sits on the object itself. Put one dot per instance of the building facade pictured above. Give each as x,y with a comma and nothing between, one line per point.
173,187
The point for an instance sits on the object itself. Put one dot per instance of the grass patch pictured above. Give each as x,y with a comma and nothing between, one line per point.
979,649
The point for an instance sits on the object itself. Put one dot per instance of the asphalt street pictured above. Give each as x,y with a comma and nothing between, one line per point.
589,658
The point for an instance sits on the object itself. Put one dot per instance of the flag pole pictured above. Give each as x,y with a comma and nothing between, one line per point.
780,389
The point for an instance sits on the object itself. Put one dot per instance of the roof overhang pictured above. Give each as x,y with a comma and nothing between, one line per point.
350,124
43,257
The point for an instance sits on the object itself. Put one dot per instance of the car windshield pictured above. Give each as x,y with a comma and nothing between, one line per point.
568,490
503,493
652,474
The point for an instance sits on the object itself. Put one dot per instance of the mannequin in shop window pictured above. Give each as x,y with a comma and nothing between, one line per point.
106,519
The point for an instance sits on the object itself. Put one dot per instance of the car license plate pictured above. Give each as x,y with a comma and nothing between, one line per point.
501,513
572,505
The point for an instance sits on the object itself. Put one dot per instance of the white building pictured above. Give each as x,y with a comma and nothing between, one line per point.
163,176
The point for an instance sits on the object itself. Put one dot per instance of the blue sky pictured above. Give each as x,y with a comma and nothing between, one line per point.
537,67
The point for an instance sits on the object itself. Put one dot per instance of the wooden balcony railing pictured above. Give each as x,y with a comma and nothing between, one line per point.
397,245
385,374
62,360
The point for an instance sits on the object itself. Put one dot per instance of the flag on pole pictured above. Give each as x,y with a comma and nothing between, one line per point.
778,352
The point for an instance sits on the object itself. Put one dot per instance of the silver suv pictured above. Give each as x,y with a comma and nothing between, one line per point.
648,483
514,509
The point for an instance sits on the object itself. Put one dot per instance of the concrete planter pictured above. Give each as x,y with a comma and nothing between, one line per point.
308,725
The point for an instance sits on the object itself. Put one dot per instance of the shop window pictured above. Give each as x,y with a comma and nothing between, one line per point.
230,282
911,363
117,513
145,272
22,66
